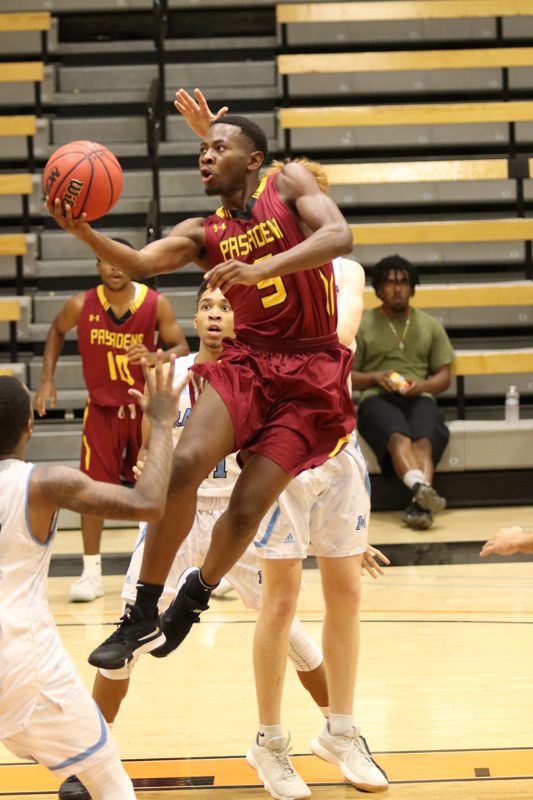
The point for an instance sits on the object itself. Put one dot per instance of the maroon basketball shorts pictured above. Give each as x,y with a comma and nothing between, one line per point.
111,442
294,406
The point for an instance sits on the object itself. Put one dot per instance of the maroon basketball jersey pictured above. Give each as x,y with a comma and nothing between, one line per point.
298,306
103,341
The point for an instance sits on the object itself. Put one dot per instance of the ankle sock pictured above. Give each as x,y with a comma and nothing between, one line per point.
413,476
92,563
340,723
198,589
148,595
268,732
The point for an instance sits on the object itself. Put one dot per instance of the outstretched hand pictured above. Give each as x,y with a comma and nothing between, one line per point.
370,565
63,216
506,542
197,113
160,402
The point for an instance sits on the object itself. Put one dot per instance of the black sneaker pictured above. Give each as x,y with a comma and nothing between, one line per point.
134,635
73,789
426,497
181,615
417,518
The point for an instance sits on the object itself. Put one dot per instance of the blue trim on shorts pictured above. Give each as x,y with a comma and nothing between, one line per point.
90,750
270,527
141,540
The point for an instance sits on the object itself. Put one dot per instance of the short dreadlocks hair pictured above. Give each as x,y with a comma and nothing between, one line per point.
397,264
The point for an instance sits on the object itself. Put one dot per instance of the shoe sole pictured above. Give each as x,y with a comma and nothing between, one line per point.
428,499
320,751
119,663
84,598
253,763
73,791
417,525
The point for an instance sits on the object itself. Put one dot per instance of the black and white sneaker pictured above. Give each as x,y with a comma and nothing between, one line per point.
417,518
73,789
427,498
181,614
135,635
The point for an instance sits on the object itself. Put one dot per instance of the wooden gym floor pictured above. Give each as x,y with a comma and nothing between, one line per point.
444,692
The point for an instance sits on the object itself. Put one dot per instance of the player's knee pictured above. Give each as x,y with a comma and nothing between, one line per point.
344,594
243,521
186,472
280,609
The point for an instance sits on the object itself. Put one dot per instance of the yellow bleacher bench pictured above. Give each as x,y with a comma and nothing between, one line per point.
400,9
14,244
420,171
491,230
28,21
465,295
419,114
10,312
21,126
321,63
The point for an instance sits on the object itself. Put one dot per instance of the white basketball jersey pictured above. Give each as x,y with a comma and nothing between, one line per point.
32,658
219,484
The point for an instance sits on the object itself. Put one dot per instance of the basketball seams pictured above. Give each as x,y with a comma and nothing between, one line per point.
94,161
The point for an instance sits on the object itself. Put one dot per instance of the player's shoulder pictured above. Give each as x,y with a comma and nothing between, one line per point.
182,365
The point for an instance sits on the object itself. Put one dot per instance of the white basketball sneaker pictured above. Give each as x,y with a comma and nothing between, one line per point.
275,770
350,752
87,588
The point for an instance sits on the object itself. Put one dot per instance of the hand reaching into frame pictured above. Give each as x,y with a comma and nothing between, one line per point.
370,564
197,113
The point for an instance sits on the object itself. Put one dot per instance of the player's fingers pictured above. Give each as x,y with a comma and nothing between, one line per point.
380,555
170,372
150,379
222,111
137,395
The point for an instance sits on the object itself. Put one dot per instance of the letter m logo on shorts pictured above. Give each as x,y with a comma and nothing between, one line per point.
361,523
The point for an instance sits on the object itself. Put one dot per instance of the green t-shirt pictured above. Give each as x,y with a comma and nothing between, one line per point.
426,347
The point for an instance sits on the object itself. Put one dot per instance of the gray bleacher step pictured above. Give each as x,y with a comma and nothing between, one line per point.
56,444
68,373
171,45
130,132
23,325
14,147
8,263
57,268
47,306
70,399
246,76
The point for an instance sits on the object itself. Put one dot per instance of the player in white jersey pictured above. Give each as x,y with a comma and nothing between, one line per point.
46,714
213,321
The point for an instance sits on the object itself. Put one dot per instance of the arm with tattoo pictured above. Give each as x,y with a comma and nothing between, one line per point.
60,487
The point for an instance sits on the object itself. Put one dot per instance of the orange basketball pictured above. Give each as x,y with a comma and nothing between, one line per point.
84,175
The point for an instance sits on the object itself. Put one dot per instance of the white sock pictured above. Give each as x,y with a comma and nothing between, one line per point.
107,780
413,476
325,710
92,563
268,732
340,723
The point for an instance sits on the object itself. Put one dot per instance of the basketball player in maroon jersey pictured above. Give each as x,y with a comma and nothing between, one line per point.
116,322
279,393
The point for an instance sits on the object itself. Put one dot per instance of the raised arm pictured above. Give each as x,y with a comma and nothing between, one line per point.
52,488
66,319
184,244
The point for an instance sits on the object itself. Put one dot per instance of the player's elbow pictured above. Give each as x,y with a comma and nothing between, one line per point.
153,511
343,238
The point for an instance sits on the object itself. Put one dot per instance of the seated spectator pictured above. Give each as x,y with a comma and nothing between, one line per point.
402,360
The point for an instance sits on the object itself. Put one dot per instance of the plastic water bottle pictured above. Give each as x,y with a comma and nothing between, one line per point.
512,404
